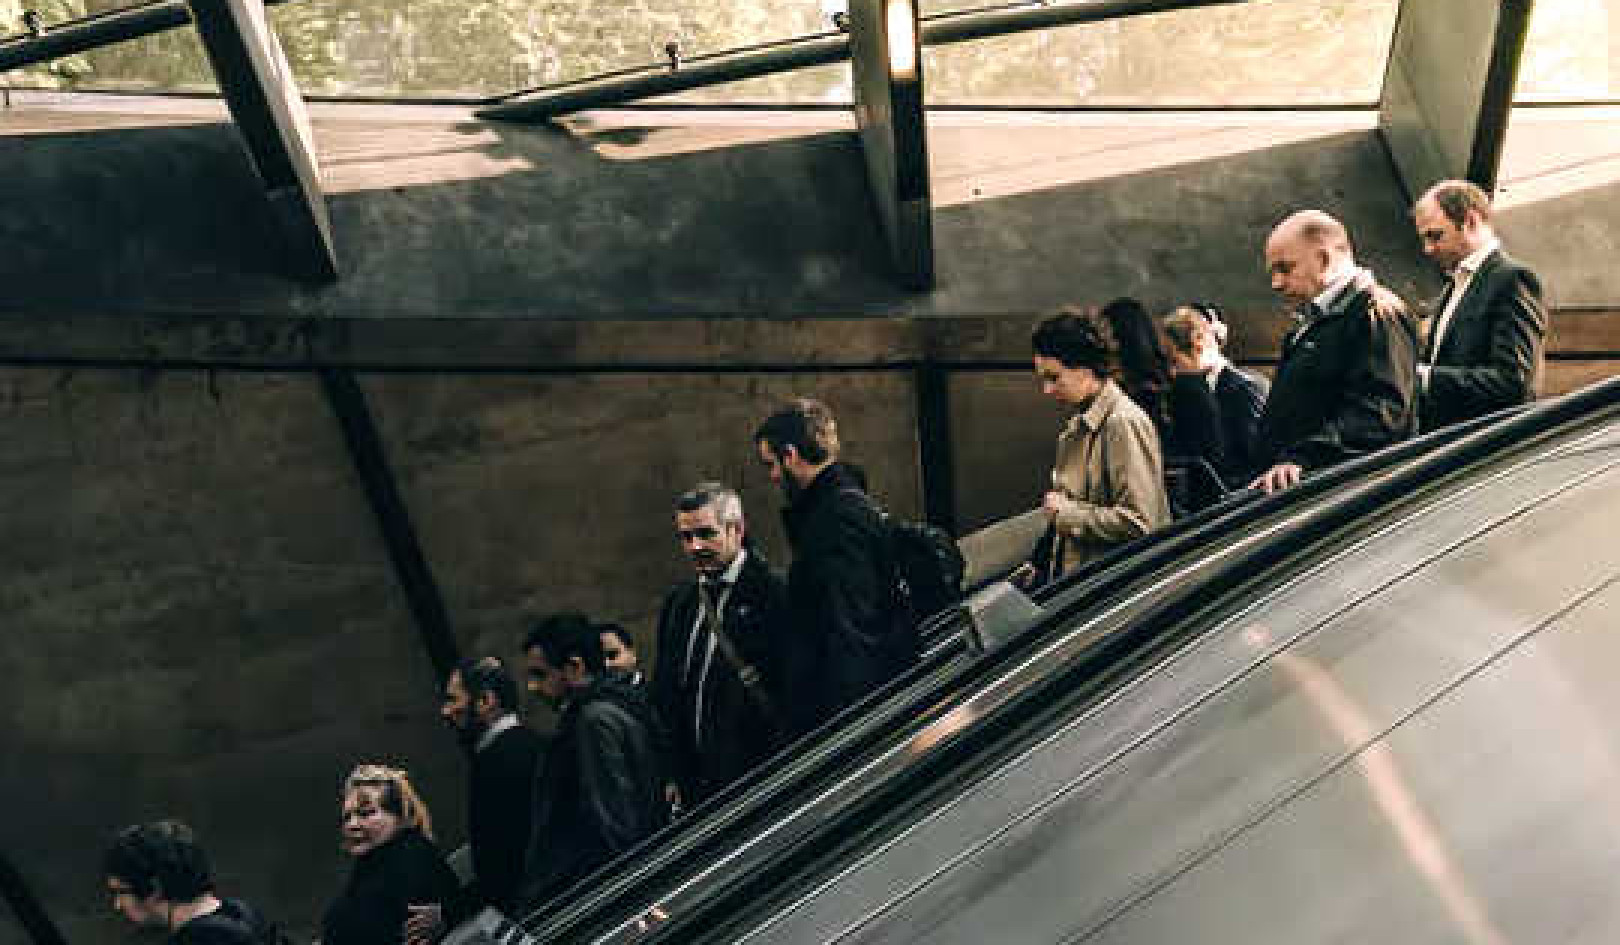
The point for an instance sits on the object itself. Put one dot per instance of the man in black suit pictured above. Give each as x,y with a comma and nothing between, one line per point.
480,704
718,674
1345,385
1487,339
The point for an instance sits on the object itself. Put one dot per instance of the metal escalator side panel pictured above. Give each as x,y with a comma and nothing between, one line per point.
1134,712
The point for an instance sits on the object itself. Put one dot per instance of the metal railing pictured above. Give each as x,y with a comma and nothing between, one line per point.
956,26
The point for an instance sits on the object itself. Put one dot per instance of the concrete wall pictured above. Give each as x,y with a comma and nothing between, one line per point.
202,621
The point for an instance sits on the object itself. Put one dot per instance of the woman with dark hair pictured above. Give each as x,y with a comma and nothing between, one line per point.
1108,479
397,869
1196,333
1144,369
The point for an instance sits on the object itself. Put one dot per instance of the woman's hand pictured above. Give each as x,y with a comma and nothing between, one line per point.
1056,503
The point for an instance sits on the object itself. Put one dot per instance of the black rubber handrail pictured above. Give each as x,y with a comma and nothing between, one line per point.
917,697
1143,624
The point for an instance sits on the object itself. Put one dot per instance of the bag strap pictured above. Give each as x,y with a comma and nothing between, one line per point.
746,672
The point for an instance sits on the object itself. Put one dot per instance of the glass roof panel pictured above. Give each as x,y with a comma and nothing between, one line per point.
1572,53
1265,52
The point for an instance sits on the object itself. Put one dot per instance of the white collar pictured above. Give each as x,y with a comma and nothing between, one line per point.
730,574
509,720
1470,264
1330,293
1212,374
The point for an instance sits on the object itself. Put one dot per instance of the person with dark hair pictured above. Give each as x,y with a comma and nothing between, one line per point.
481,705
398,872
619,652
1195,333
1487,340
847,638
1346,383
1108,480
1144,369
160,878
600,790
720,643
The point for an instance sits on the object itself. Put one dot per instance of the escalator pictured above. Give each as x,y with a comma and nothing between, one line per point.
1088,779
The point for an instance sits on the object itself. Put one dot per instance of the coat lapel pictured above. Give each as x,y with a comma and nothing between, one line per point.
1464,315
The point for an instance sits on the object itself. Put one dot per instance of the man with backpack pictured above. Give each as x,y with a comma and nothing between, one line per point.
850,633
160,878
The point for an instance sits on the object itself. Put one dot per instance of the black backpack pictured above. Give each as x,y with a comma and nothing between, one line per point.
927,566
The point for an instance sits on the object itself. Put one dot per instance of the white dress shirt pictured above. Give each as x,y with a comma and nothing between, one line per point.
1460,279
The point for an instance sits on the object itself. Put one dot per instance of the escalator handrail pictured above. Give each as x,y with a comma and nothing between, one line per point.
917,696
1081,653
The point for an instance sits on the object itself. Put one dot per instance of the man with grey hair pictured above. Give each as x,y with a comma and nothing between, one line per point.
1345,384
1487,336
719,669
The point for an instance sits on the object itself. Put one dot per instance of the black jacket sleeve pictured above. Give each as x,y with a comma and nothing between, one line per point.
1195,422
618,787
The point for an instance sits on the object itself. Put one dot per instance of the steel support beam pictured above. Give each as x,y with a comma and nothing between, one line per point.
936,453
1448,89
886,53
353,413
259,89
815,50
26,907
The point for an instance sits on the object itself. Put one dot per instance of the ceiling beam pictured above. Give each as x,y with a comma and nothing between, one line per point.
263,98
885,43
1448,88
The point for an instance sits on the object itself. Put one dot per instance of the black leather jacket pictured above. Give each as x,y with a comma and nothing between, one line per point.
601,787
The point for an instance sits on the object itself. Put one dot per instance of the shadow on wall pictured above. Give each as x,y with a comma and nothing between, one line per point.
488,220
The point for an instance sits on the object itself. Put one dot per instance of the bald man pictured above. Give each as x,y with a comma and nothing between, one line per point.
1346,383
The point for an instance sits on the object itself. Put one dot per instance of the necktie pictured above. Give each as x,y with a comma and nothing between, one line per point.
700,652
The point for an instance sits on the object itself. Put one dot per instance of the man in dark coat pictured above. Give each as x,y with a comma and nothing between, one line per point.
160,878
1346,383
849,637
718,675
600,790
480,704
1487,339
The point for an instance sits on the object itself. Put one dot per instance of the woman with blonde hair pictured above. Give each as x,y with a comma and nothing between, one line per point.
1196,332
397,869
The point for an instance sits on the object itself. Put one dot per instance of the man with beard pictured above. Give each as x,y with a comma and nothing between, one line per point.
600,790
717,676
848,638
480,704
